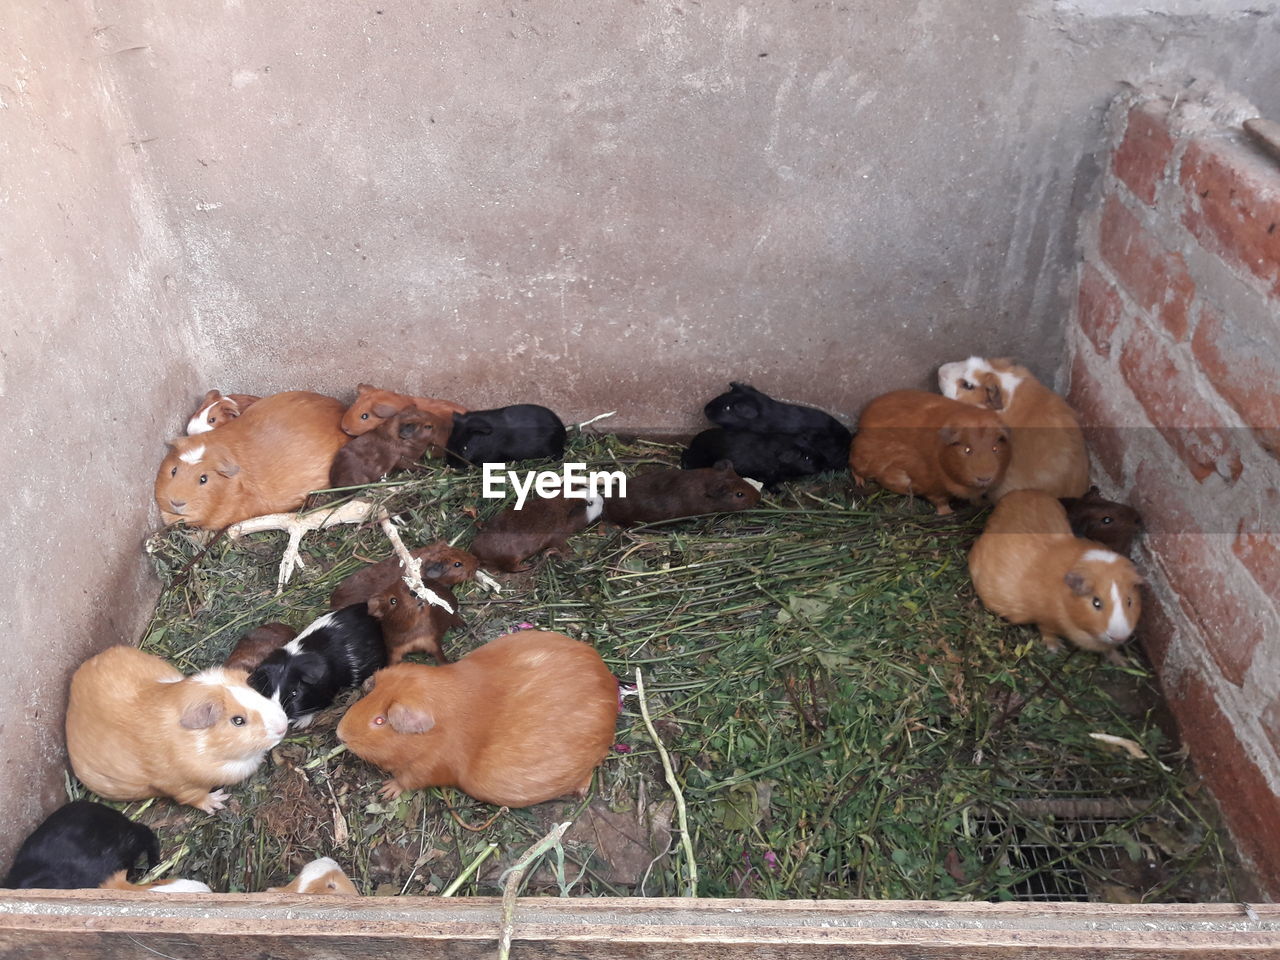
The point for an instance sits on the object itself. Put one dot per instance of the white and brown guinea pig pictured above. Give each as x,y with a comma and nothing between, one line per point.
1049,452
1028,568
522,719
320,876
265,461
119,881
137,728
920,444
217,410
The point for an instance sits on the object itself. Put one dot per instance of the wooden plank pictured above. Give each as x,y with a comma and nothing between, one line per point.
71,925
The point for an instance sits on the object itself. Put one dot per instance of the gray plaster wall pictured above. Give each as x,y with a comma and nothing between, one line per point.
594,205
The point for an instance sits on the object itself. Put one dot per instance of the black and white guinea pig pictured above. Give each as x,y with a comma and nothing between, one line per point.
746,408
523,431
767,457
338,650
80,845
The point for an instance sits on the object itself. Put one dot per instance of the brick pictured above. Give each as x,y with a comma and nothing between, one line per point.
1244,368
1156,278
1183,417
1257,545
1233,205
1270,720
1155,632
1098,309
1249,806
1098,420
1143,155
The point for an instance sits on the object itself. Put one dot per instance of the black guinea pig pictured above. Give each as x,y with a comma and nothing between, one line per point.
669,494
80,845
524,431
767,457
338,650
1114,525
746,408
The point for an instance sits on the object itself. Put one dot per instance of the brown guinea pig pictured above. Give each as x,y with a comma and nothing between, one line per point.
216,410
509,539
1028,568
924,445
1114,525
372,406
138,728
320,876
672,493
1048,445
523,719
396,443
120,881
254,647
411,623
265,461
440,562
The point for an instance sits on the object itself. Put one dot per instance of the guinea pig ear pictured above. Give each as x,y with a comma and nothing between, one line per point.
209,397
949,435
384,410
1077,583
723,466
716,490
435,571
370,682
375,605
227,467
202,714
995,396
409,719
364,388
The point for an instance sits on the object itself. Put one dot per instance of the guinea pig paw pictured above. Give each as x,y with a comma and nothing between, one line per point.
216,800
390,790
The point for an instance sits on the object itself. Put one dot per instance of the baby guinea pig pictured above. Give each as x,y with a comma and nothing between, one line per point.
81,845
746,408
251,649
768,457
411,623
216,410
670,493
338,650
138,728
440,562
1114,525
1028,568
372,406
524,431
320,876
523,719
397,443
507,540
921,444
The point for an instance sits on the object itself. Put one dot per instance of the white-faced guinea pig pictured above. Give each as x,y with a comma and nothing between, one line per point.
320,876
80,845
746,408
397,443
544,524
338,650
1028,568
1049,452
137,728
921,444
119,881
265,461
449,565
522,431
671,493
251,649
217,410
1112,524
523,719
410,623
373,405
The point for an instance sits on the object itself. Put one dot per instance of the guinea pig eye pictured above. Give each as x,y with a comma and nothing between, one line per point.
392,601
237,720
173,472
1097,604
966,385
212,421
968,451
457,563
739,494
204,478
379,721
1106,520
364,416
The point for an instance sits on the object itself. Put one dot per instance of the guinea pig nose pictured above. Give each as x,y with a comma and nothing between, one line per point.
177,504
982,481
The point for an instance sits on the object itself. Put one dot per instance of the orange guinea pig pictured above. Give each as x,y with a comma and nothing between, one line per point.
265,461
1048,445
440,562
924,445
411,623
321,876
119,881
372,406
217,410
523,719
1029,568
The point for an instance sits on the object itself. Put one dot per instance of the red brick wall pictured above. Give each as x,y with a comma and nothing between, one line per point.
1175,368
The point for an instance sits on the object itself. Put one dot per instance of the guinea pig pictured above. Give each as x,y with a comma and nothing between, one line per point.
118,881
397,443
746,408
216,410
320,876
671,493
411,623
1114,525
768,457
524,431
1048,445
373,405
510,538
1028,568
440,562
80,845
265,461
924,445
138,728
522,719
251,649
338,650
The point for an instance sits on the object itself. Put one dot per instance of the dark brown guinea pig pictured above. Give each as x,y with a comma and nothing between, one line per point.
440,562
672,493
411,623
395,444
925,445
1114,525
513,536
254,647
